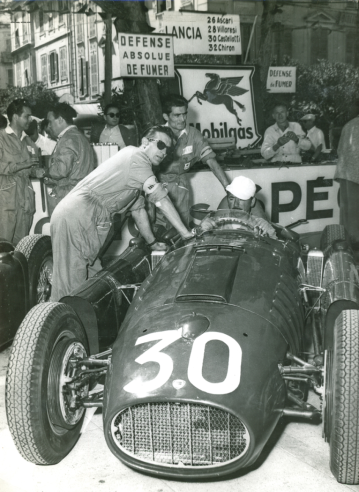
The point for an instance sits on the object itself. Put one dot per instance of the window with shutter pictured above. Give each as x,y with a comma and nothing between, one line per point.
10,77
27,72
17,39
92,26
41,20
94,69
82,77
54,67
18,74
80,29
351,55
44,68
25,28
63,64
319,44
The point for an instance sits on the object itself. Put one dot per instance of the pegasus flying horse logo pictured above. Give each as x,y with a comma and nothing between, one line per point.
221,91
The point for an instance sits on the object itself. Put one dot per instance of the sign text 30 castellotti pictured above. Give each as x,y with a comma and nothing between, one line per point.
146,55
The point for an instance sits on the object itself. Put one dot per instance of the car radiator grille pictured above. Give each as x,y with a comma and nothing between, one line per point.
183,434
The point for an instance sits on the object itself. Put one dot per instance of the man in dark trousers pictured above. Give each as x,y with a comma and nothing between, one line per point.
73,157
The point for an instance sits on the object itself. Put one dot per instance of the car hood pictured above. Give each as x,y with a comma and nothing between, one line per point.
255,275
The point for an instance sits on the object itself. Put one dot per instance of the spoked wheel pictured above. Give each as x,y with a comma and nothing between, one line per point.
44,280
38,251
44,413
341,411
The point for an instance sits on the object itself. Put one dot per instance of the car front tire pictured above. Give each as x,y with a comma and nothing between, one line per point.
42,422
341,417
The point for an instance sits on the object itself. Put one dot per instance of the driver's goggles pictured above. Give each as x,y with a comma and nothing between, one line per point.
161,145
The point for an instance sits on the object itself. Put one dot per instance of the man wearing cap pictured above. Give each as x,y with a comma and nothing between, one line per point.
314,134
284,140
241,196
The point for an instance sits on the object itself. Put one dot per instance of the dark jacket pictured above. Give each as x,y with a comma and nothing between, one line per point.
129,136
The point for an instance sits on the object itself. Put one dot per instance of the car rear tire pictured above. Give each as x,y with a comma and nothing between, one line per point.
37,250
41,422
341,412
332,233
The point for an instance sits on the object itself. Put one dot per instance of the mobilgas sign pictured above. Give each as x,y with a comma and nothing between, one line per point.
146,55
221,103
201,33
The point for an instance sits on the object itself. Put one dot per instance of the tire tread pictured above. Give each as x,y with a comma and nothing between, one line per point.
344,441
22,371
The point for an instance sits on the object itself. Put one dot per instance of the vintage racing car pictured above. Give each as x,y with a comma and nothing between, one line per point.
25,280
200,355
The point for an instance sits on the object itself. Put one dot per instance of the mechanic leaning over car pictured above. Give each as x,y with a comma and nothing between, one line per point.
73,157
17,197
241,196
190,147
81,221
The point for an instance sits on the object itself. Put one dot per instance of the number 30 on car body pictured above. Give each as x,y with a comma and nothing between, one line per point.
195,376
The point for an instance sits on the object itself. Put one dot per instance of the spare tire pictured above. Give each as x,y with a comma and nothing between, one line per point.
332,233
37,250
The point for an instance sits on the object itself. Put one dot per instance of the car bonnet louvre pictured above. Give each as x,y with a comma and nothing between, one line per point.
204,280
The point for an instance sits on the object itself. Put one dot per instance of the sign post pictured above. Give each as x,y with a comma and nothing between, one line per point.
282,79
202,33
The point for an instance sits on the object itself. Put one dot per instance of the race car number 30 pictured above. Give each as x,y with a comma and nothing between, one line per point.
154,354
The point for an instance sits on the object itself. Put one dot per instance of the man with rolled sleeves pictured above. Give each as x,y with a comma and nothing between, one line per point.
190,148
284,140
17,197
82,220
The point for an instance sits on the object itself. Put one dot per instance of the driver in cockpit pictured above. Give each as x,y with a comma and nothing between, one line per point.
241,196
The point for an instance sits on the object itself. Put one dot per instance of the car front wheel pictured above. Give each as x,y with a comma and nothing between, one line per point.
45,414
341,411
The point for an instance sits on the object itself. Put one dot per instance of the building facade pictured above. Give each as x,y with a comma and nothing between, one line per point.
304,30
62,43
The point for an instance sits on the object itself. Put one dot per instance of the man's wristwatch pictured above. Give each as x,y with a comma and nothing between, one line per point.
196,231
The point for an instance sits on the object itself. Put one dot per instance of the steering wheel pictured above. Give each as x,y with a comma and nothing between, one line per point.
234,220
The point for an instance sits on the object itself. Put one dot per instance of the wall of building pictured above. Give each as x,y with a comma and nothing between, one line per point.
6,69
62,42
